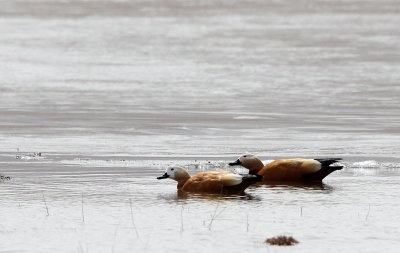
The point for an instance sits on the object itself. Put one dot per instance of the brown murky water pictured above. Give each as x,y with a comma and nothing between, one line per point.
112,92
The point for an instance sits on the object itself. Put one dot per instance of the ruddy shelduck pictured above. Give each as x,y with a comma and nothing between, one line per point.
296,169
210,181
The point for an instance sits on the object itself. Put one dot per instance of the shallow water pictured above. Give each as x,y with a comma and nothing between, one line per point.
112,92
89,209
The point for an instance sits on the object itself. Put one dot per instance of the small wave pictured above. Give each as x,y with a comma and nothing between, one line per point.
191,165
366,164
247,117
108,163
365,172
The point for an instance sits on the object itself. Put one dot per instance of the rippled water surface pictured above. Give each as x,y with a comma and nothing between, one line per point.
116,206
112,92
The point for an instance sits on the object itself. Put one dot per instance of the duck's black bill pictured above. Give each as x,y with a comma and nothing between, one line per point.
163,176
237,162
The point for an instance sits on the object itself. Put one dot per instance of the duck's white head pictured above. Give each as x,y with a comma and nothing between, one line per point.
176,173
250,162
243,159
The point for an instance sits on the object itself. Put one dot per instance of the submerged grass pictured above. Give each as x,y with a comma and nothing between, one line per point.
282,240
133,222
214,216
45,204
83,213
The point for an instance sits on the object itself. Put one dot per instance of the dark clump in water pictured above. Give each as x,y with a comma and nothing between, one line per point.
282,240
4,178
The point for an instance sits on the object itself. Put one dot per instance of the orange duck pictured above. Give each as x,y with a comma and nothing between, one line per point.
210,181
295,170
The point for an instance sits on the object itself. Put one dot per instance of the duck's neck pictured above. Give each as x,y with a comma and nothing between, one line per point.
181,178
254,166
181,184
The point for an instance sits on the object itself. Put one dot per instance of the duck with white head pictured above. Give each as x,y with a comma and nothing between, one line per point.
210,181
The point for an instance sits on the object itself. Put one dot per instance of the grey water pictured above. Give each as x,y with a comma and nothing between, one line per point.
112,92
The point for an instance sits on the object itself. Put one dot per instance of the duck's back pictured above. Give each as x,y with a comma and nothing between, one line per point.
212,181
289,169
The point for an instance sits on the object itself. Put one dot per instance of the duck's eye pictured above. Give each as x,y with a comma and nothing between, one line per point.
245,156
172,169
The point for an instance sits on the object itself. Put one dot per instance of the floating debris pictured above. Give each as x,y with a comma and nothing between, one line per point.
282,241
36,156
4,178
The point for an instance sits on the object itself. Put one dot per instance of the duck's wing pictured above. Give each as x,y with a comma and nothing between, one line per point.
230,179
219,182
289,169
225,178
301,165
299,169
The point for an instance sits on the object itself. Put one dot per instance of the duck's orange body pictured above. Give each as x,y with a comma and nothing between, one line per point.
206,182
296,169
211,181
289,169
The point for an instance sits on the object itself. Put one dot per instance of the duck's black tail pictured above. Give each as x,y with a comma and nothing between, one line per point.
328,161
252,178
325,170
246,182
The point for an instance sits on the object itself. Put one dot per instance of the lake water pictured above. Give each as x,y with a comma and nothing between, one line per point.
112,92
